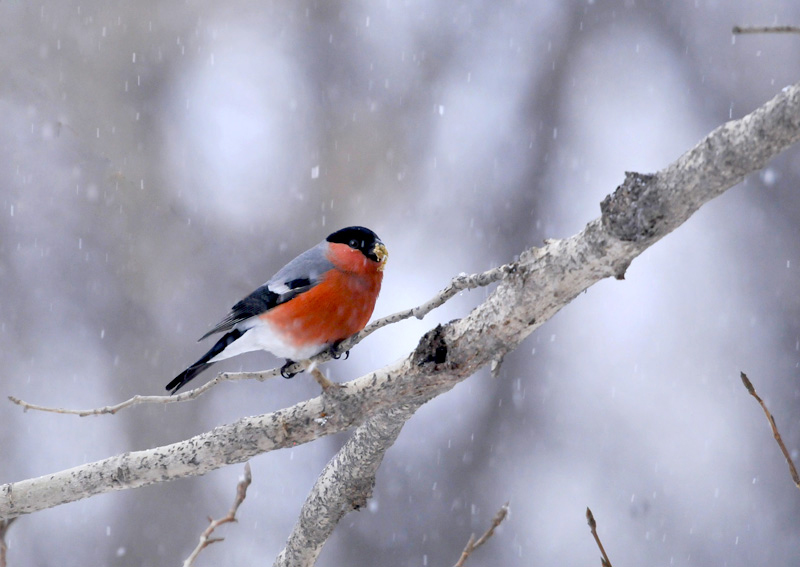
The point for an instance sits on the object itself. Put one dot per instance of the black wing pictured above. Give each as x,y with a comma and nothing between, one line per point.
261,300
296,277
196,368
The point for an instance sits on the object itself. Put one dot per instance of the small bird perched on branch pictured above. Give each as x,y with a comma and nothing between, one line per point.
313,303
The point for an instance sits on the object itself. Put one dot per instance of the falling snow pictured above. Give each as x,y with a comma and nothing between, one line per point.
157,169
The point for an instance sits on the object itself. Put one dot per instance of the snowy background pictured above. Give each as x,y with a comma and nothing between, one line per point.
161,159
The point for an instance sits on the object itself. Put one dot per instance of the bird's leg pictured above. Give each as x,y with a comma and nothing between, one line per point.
334,350
285,369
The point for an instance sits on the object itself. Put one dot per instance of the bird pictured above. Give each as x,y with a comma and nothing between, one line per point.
323,296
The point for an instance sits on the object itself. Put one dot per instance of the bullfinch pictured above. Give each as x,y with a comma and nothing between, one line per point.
313,303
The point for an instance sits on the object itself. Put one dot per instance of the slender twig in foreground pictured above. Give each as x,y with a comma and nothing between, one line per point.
472,545
4,525
604,561
459,283
766,29
205,537
775,432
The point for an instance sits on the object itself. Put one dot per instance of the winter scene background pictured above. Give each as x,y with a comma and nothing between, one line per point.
161,160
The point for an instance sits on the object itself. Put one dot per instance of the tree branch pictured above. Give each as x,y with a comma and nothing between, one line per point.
472,545
765,29
775,433
640,212
604,560
205,537
345,484
4,525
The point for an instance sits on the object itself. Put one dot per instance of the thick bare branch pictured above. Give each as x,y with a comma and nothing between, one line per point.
4,525
345,484
642,210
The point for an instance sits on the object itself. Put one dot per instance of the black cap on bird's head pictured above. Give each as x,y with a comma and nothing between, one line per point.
363,240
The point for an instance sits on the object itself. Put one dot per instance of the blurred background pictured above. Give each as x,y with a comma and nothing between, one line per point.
160,160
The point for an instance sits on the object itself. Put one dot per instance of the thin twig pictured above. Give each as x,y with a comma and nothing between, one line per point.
4,525
459,283
321,379
765,29
136,400
775,432
205,537
472,545
604,561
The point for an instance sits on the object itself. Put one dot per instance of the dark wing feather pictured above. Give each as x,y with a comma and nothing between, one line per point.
296,277
196,368
261,300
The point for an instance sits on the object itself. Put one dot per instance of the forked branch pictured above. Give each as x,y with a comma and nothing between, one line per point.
206,538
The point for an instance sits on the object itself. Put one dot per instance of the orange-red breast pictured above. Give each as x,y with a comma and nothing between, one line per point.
313,303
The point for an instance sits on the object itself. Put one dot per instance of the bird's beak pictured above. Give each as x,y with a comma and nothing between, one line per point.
382,254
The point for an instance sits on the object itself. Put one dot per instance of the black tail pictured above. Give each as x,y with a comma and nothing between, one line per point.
196,368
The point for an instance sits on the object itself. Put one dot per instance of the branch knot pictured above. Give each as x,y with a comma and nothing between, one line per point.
432,348
635,211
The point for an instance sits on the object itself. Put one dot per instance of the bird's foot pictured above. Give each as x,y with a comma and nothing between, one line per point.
336,354
285,370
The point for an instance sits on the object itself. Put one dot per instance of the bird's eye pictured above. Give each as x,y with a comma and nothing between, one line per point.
354,243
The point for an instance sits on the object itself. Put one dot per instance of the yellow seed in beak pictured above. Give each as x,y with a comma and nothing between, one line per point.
382,254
